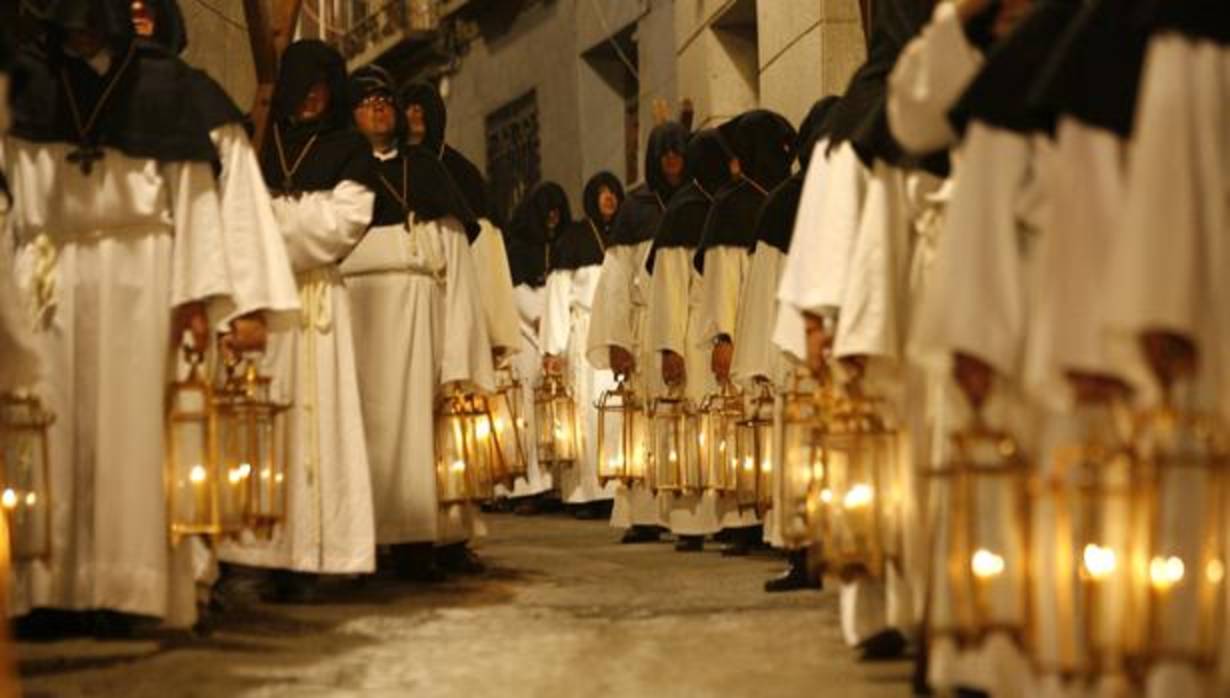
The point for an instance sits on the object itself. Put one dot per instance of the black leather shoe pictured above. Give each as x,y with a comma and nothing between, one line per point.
416,562
690,544
738,548
292,588
641,534
883,646
459,559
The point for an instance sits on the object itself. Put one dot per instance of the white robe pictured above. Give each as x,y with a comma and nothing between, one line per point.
563,333
528,364
313,364
618,320
495,288
106,258
674,325
419,325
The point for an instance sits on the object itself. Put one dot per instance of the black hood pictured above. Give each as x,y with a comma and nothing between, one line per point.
764,142
305,63
530,220
590,199
709,161
815,127
638,217
170,32
683,223
112,17
665,138
435,115
775,223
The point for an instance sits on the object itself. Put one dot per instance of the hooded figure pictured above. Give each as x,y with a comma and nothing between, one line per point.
319,172
574,270
617,328
120,219
419,332
673,325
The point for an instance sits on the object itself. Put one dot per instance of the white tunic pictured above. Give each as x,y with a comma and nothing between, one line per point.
419,325
563,333
329,501
495,287
618,320
528,364
105,258
756,356
674,325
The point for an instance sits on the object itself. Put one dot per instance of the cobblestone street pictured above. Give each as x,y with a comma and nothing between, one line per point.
563,610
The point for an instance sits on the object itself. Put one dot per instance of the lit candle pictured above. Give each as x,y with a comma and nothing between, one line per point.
986,564
858,497
1099,562
9,499
1165,572
197,475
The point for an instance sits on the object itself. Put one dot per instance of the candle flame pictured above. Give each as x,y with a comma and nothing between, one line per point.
674,457
499,425
858,496
1165,572
826,496
749,464
31,499
766,466
483,430
9,499
198,474
458,466
1215,571
1100,562
817,471
986,564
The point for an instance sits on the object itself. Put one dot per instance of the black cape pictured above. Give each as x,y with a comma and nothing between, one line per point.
641,213
999,94
338,151
683,223
584,242
530,237
815,126
775,224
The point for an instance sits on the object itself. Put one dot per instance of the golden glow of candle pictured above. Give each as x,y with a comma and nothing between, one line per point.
197,474
986,564
700,439
458,466
499,425
279,478
766,466
748,464
245,470
483,429
521,423
674,457
1099,562
1165,572
858,496
722,446
8,499
1215,571
233,476
826,496
31,499
266,474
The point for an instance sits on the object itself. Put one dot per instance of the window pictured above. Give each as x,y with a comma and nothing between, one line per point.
514,164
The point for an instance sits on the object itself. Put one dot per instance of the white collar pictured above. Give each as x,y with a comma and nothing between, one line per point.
387,155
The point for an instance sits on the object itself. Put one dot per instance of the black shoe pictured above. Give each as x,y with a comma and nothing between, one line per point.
970,693
796,577
641,534
416,562
527,507
883,646
459,559
113,625
738,548
287,587
49,625
690,544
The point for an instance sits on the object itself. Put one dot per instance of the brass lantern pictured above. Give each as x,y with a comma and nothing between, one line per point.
673,447
859,489
191,474
555,413
623,436
987,546
754,461
466,450
797,498
717,423
25,475
252,448
1180,571
508,422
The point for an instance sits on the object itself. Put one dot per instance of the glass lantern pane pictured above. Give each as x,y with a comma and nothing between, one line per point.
451,467
192,485
237,468
24,494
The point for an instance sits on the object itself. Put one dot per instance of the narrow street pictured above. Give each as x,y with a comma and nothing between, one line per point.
563,610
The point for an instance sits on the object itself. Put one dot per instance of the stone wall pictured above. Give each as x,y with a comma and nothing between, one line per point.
218,43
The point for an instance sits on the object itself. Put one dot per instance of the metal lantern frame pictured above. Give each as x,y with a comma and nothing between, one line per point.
1183,470
510,425
798,499
987,552
623,447
191,410
858,521
467,453
755,453
555,416
672,444
25,458
717,421
252,448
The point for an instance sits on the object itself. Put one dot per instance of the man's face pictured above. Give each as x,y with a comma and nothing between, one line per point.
416,118
736,168
85,42
552,218
607,203
315,103
375,118
672,167
143,21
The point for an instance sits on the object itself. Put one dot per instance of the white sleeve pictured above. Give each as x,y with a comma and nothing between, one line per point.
198,265
757,306
322,227
721,285
556,314
466,351
814,279
256,255
669,297
610,322
496,289
931,73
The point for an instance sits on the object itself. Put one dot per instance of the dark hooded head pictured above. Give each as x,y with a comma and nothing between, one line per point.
709,161
668,138
111,18
534,216
814,128
764,143
161,22
593,189
426,98
304,64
